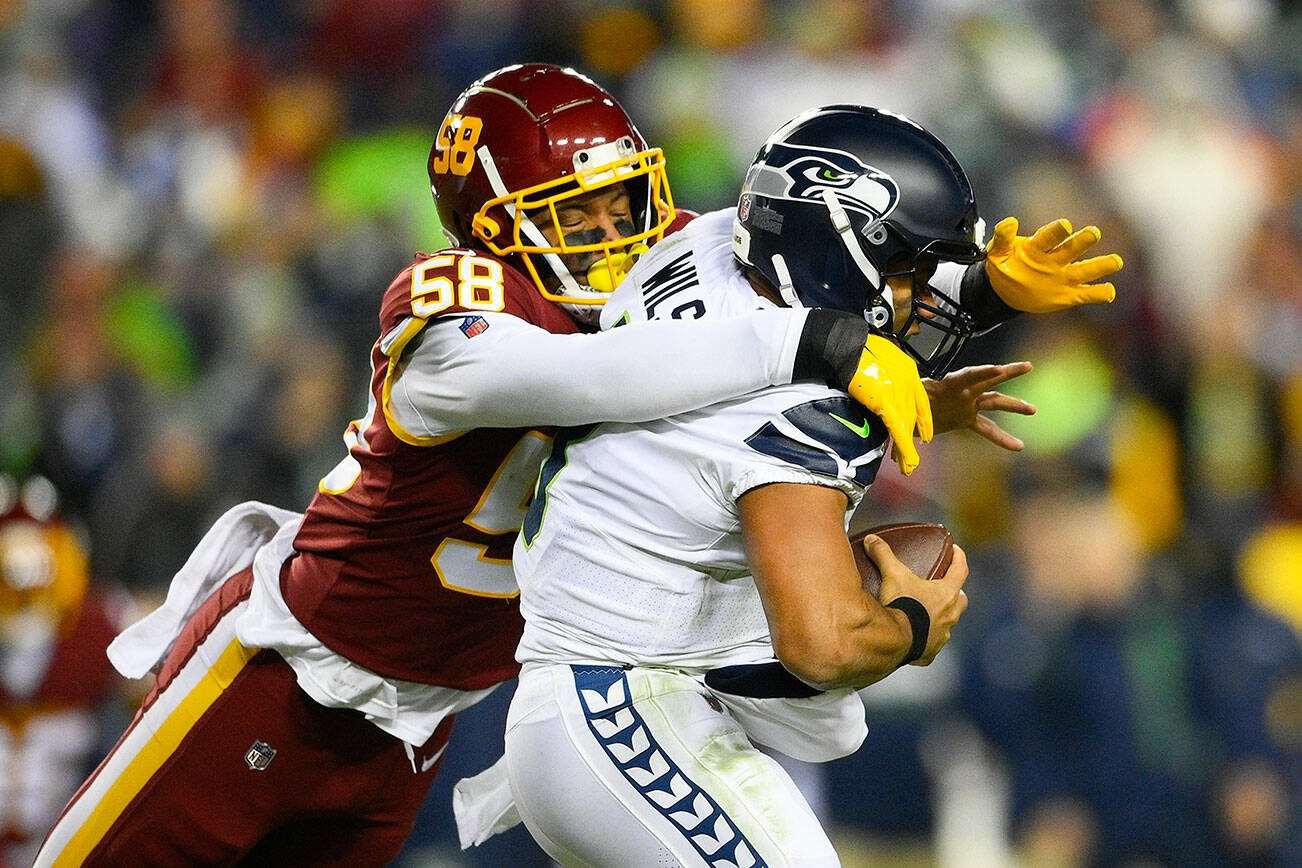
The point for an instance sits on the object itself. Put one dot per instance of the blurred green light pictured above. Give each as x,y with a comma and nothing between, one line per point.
151,339
1072,389
382,174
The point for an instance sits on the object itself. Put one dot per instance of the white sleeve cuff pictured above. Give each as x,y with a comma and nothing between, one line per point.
948,279
769,474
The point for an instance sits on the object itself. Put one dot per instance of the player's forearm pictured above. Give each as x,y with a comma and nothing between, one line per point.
629,374
854,654
826,629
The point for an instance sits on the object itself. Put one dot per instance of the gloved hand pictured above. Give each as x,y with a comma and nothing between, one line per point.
1041,274
887,382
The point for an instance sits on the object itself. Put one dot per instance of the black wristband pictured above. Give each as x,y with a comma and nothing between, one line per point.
830,347
978,298
919,623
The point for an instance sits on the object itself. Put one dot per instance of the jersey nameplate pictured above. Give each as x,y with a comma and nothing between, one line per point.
673,280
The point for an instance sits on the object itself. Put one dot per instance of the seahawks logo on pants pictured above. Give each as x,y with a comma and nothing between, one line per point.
608,707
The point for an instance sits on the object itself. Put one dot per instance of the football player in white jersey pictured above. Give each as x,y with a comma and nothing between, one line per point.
687,584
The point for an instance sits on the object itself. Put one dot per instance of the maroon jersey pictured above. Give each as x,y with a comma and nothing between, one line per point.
404,553
48,735
79,673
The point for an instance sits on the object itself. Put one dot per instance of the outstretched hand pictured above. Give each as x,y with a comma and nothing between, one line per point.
1044,273
960,399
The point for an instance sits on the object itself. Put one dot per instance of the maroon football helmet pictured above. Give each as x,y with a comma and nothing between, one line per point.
44,569
522,139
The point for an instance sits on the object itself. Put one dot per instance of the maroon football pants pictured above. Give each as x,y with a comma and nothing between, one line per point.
228,762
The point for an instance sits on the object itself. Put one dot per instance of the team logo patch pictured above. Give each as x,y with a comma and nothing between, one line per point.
474,325
260,756
800,172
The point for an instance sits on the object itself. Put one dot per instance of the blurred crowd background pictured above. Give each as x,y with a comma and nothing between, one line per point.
201,203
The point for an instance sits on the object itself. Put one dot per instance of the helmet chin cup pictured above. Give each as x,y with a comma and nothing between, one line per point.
609,271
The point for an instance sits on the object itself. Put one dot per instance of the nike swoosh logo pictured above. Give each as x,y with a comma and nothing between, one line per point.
861,430
429,761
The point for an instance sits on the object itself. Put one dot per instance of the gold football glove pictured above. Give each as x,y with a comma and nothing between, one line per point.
888,384
1041,274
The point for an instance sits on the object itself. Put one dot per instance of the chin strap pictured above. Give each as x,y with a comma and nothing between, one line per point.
880,315
841,223
785,287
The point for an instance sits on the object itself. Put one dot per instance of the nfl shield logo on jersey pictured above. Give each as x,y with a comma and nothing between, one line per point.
474,325
260,755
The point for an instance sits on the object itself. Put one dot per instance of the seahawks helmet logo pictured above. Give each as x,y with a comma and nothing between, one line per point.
803,173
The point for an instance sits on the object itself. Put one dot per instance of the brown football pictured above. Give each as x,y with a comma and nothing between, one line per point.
927,549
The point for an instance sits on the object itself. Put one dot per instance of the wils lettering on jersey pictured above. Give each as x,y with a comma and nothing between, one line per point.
675,278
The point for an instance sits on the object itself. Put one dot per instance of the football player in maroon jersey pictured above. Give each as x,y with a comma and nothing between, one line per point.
308,667
54,677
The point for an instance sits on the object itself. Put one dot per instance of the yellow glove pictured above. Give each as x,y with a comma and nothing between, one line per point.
888,384
1040,274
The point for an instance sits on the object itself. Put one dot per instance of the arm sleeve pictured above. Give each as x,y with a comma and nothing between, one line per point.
515,374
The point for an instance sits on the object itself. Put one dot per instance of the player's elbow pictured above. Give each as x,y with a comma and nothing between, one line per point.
820,674
822,661
831,660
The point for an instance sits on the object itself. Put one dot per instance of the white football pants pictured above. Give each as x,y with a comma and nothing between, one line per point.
615,768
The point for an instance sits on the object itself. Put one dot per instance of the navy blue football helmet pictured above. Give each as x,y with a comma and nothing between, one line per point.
842,197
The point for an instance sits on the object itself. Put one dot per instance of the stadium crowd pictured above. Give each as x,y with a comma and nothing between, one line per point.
200,202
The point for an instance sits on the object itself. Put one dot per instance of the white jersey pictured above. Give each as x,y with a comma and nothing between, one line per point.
632,550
